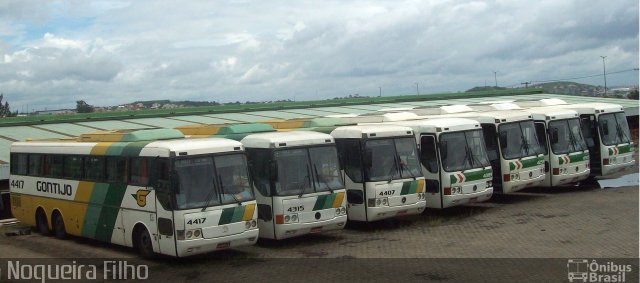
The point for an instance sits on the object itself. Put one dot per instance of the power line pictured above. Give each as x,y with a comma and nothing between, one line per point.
574,78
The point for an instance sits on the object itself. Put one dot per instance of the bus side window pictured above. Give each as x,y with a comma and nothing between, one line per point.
72,168
139,171
19,163
94,168
542,136
491,141
53,166
259,169
349,152
428,155
36,164
587,125
116,170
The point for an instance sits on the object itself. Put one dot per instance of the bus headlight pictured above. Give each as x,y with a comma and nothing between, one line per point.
189,234
343,210
385,201
378,202
489,183
287,218
456,190
294,218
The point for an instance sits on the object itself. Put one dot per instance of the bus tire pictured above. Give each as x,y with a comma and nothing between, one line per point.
42,225
58,225
142,242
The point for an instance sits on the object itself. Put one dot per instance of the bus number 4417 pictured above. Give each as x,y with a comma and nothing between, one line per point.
196,221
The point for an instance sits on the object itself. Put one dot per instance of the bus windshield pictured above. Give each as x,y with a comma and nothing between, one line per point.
567,136
464,150
211,180
519,139
614,128
391,159
307,170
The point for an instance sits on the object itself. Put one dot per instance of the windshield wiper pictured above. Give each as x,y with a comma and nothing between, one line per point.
621,134
573,141
224,192
302,188
315,169
393,168
209,197
403,166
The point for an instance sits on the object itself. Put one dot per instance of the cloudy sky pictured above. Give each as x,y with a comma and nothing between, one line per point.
53,53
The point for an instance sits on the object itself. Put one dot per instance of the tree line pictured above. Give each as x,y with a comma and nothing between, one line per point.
5,111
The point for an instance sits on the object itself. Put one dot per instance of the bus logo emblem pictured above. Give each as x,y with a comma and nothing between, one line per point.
141,197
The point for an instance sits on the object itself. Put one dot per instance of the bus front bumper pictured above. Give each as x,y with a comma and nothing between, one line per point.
557,180
618,167
284,231
516,185
200,246
384,212
455,200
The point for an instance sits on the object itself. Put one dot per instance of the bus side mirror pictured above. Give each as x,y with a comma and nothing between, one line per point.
553,136
503,138
443,150
273,171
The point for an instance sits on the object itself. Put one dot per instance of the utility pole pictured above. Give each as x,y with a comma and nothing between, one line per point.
495,77
604,74
526,84
380,95
417,89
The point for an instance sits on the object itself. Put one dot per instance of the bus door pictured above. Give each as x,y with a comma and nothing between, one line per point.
541,133
493,152
591,137
430,162
165,226
351,161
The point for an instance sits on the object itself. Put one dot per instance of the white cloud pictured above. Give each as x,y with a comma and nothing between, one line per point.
116,52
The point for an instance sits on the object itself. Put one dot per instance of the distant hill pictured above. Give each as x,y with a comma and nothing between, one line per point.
485,88
571,88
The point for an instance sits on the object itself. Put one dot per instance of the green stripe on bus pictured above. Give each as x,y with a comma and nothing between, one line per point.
134,148
320,202
410,187
477,175
94,209
237,214
116,148
624,148
328,201
226,216
532,162
109,212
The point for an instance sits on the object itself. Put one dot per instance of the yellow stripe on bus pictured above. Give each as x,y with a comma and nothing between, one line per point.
420,187
72,212
83,192
248,212
338,201
101,148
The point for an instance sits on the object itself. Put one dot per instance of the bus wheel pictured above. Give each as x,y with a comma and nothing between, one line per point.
143,243
41,222
58,226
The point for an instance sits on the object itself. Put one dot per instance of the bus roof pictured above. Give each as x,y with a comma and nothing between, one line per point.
371,131
162,148
551,113
286,139
593,108
498,116
441,125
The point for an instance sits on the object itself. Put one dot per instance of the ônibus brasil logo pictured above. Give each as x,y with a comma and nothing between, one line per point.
581,270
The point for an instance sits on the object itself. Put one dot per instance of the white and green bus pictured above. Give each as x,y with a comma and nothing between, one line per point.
566,152
382,171
297,182
513,147
295,176
454,160
149,189
605,130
